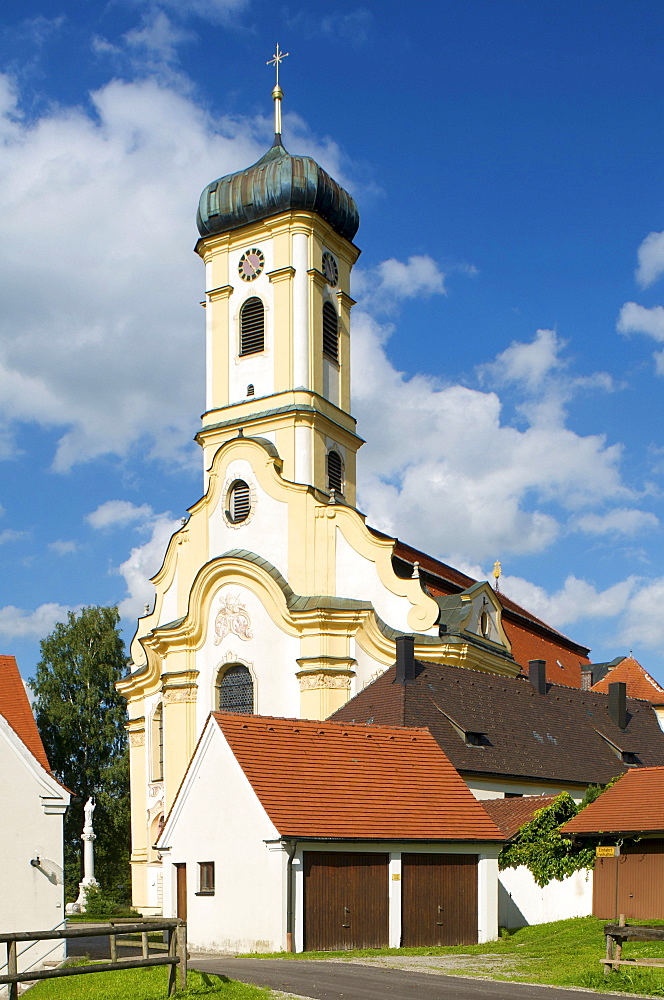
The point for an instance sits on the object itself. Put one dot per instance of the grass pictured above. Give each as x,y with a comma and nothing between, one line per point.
563,953
143,984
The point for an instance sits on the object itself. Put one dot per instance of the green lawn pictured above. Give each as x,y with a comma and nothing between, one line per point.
564,953
142,984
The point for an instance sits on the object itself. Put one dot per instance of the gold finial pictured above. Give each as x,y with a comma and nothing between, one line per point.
277,92
497,569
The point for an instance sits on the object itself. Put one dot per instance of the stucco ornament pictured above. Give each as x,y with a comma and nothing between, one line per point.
232,618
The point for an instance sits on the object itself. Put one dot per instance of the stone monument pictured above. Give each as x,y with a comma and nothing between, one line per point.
88,838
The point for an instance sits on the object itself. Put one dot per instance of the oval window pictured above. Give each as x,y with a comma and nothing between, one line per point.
238,506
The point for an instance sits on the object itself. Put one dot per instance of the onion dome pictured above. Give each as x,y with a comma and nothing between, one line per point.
278,182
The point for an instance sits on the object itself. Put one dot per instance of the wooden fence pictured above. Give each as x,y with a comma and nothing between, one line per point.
617,934
176,956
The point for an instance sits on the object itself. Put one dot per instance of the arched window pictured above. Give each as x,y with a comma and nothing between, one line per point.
330,332
157,743
236,690
252,326
335,472
238,502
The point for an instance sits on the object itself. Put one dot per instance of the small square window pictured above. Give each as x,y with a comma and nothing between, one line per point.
205,878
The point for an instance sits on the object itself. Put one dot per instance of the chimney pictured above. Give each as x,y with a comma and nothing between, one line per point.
537,675
618,703
405,659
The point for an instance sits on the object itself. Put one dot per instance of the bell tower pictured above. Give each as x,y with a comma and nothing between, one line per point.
276,240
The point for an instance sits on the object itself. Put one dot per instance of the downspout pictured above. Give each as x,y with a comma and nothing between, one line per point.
291,846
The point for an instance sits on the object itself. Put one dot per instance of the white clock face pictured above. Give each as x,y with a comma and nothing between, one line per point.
251,264
330,269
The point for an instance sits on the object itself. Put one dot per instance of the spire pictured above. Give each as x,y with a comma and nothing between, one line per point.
277,92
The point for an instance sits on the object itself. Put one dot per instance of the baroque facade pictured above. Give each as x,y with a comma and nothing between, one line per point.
275,597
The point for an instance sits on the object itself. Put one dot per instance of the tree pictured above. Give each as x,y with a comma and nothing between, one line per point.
81,719
541,847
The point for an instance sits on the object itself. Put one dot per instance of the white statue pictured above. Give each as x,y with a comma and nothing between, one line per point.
88,810
88,837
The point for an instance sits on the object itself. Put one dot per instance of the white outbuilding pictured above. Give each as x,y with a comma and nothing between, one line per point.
32,806
300,835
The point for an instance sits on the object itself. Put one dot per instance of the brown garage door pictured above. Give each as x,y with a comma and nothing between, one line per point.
345,901
438,899
639,892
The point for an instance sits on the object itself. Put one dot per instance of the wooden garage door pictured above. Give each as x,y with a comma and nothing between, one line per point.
639,892
345,901
438,899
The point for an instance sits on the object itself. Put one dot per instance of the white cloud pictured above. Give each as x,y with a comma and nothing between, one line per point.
392,280
11,535
642,622
575,600
443,468
158,37
114,513
634,318
528,363
621,521
216,11
651,260
17,623
64,548
97,353
142,563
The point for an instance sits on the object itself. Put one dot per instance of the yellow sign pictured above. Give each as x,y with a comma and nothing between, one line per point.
396,878
605,852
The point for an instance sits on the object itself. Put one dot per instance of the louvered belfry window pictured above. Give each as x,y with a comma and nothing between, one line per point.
236,690
335,474
330,332
252,326
239,501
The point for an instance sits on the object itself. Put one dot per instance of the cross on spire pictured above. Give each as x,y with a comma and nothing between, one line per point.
276,59
277,92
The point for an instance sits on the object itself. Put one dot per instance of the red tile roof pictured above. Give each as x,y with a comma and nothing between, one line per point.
509,815
333,780
15,707
635,804
639,682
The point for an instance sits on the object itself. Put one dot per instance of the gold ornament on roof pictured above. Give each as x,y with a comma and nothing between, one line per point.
497,569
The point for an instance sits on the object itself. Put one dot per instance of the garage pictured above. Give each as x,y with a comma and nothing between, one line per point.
345,901
632,883
438,899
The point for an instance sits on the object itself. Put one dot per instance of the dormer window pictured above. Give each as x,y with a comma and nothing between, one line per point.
330,332
628,757
252,327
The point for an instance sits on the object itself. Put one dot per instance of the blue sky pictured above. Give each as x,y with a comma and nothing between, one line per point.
508,362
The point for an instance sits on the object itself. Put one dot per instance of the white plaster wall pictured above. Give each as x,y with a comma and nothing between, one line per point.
358,579
265,531
31,898
220,819
366,671
169,605
487,788
521,901
270,655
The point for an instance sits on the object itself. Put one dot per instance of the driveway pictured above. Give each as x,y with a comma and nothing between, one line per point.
341,980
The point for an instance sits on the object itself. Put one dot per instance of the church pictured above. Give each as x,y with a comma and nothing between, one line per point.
276,598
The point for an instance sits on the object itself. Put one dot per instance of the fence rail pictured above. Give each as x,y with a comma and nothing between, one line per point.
177,952
617,934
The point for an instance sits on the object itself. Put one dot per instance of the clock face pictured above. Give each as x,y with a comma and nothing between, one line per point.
251,264
330,269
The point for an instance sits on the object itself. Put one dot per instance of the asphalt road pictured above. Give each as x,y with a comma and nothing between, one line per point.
345,981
